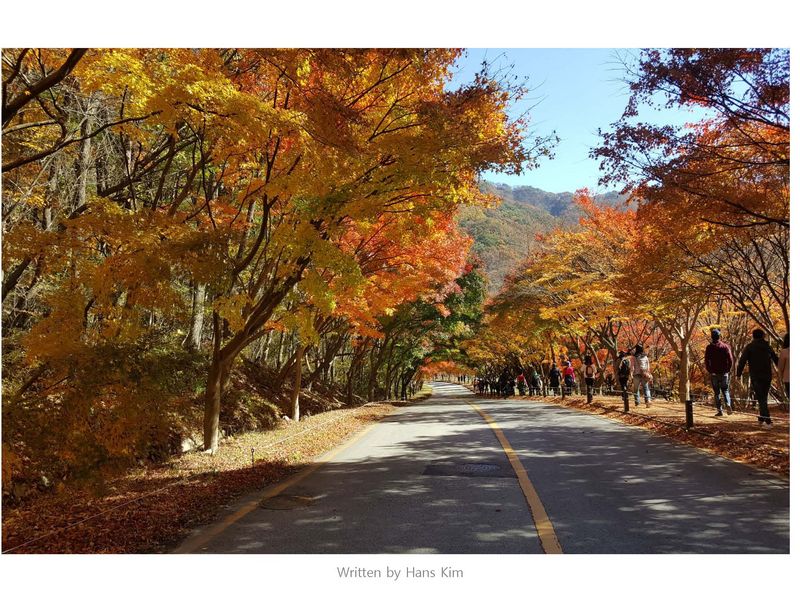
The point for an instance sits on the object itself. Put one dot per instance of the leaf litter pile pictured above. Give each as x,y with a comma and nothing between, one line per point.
736,436
152,509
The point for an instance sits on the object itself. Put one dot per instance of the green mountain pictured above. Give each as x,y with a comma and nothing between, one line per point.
504,235
557,204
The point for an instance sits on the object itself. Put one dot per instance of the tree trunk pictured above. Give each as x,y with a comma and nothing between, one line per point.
389,373
355,366
222,358
14,276
133,204
264,355
218,376
194,337
289,367
84,162
684,386
325,368
279,359
298,378
375,365
373,376
251,211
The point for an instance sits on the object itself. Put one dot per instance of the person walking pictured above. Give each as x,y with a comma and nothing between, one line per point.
569,379
536,383
522,384
719,362
623,373
609,382
641,375
555,379
759,357
506,384
589,373
783,365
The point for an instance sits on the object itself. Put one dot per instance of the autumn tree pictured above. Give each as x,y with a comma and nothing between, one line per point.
743,137
722,182
223,201
410,146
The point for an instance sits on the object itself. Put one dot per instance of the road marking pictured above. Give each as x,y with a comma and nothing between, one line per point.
544,527
203,538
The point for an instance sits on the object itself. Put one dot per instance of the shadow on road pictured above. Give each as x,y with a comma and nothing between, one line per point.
607,488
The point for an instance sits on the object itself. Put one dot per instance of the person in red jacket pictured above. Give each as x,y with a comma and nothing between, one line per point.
719,362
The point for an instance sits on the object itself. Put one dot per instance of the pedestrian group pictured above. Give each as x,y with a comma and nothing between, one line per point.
758,358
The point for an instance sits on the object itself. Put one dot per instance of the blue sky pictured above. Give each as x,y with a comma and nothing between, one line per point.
574,92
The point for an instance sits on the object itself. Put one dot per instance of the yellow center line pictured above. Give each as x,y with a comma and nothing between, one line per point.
544,527
199,541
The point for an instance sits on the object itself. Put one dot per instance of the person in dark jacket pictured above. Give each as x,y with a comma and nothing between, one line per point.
609,381
759,356
505,380
589,375
624,372
555,379
719,362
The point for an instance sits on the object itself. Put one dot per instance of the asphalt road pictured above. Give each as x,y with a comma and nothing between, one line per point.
433,478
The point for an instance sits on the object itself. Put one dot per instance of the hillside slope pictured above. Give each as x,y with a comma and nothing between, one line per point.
504,235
